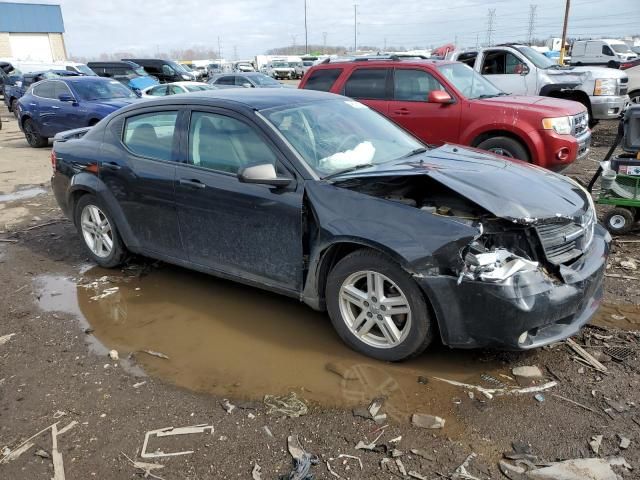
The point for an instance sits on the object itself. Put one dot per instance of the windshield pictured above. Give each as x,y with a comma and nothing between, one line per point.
186,68
308,63
336,135
279,64
102,90
469,82
295,64
264,80
85,70
621,48
197,88
537,58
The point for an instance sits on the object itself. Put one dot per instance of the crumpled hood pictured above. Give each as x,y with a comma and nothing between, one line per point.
509,189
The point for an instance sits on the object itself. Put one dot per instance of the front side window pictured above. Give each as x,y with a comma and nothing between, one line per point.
367,83
175,89
469,82
621,48
241,81
45,90
105,90
607,51
322,79
413,85
61,88
151,135
340,134
468,58
225,144
501,63
159,91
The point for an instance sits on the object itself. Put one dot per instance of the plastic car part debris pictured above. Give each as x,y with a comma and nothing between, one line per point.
401,469
416,475
139,384
490,392
255,473
288,405
227,405
267,431
156,354
5,338
344,455
42,453
145,467
539,397
10,455
302,461
580,469
624,442
113,354
421,452
423,420
374,409
619,354
586,356
595,443
461,472
168,432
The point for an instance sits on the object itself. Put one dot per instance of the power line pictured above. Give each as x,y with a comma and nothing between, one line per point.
355,28
532,21
490,29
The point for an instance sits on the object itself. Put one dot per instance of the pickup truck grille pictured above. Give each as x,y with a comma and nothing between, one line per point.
624,87
580,124
563,242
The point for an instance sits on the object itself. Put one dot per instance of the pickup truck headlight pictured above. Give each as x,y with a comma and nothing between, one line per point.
561,125
605,86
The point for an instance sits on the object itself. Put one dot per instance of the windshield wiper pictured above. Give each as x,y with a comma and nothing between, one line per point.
347,170
413,152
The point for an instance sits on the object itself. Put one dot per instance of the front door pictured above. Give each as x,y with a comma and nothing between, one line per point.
508,72
248,231
433,123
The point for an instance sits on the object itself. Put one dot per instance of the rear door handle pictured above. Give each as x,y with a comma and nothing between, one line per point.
402,111
111,166
55,108
193,183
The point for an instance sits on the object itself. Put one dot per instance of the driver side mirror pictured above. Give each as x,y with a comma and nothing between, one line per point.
439,96
263,174
247,85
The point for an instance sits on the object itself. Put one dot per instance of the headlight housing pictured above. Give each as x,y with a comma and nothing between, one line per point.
561,125
605,86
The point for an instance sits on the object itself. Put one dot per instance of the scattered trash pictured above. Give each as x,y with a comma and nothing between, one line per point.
59,414
573,402
41,453
267,431
527,372
302,461
255,473
539,397
396,440
344,455
56,456
586,356
5,338
492,380
156,354
332,471
507,469
105,293
420,452
619,354
227,405
395,453
490,392
619,407
171,431
139,384
374,409
11,455
580,469
145,467
423,420
384,464
595,443
461,472
624,442
416,475
251,416
113,354
628,264
288,405
401,469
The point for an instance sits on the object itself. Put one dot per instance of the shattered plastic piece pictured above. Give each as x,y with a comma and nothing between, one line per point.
624,442
113,354
395,453
5,338
489,392
255,473
396,440
595,443
527,372
580,469
139,384
171,431
374,408
539,397
41,453
421,452
227,405
424,420
302,461
401,469
267,431
156,354
344,455
495,266
144,466
288,405
461,471
384,464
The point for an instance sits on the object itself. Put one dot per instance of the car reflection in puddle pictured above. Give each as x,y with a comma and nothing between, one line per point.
229,339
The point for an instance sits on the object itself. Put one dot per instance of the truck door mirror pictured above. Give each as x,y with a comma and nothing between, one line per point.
521,69
439,96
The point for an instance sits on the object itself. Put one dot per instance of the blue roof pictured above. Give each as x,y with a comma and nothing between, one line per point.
30,18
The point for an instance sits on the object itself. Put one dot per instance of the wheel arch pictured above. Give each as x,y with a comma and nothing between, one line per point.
574,95
504,133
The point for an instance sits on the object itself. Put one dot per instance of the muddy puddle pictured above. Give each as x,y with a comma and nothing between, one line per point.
626,317
233,340
22,194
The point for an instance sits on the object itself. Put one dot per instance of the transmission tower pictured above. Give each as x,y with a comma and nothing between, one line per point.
490,26
532,21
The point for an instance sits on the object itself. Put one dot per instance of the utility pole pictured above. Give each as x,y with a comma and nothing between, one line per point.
324,42
306,39
477,41
564,32
455,41
219,49
385,44
532,21
235,52
293,38
490,29
355,28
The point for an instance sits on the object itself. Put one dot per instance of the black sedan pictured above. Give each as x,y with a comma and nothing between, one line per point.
318,197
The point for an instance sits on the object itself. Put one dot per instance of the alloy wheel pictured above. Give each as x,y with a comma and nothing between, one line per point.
96,231
375,309
30,132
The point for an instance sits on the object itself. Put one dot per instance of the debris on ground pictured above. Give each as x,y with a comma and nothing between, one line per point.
107,292
139,384
421,452
624,442
595,443
372,446
267,430
539,397
42,453
288,405
416,475
168,432
155,354
302,461
10,455
401,469
586,356
527,372
255,473
113,354
580,469
5,338
227,405
573,402
461,472
423,420
145,467
490,392
374,410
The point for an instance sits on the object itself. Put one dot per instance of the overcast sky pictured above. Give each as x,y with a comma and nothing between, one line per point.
254,26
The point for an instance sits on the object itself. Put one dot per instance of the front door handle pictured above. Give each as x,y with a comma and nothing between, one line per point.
111,166
193,183
402,111
55,108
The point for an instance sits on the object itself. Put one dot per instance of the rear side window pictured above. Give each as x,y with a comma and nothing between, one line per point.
367,83
468,58
323,79
228,80
45,90
151,134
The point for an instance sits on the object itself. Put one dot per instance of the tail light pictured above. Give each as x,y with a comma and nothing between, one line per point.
53,159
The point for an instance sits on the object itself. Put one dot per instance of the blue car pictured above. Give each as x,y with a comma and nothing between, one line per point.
55,105
18,85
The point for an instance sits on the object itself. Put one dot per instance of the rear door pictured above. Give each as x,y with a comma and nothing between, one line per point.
508,71
249,231
371,86
434,123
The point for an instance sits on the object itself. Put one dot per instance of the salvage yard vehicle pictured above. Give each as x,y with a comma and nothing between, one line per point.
129,74
247,80
447,102
634,84
521,70
281,69
166,71
603,51
175,88
320,198
19,85
55,105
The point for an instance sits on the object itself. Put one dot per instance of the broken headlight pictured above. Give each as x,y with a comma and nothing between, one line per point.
493,266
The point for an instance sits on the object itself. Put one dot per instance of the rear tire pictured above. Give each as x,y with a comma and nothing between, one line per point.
34,139
362,291
14,107
619,221
99,233
505,146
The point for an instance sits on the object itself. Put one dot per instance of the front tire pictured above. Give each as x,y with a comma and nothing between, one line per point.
619,221
506,147
99,232
34,139
377,308
634,97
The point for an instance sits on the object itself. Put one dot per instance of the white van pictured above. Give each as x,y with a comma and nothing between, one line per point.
605,51
28,67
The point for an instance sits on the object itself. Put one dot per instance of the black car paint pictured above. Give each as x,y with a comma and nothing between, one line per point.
322,217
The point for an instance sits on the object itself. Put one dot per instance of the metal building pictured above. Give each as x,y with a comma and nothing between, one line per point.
31,32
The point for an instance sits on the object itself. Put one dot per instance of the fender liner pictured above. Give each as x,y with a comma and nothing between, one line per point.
547,90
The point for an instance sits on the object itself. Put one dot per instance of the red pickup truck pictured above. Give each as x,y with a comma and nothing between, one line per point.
448,102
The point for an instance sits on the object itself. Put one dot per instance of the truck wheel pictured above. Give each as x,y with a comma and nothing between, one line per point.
619,221
612,64
377,308
505,146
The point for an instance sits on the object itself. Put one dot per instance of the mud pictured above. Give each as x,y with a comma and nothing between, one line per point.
230,340
624,316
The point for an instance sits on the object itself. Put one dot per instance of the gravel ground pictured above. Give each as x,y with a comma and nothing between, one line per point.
50,373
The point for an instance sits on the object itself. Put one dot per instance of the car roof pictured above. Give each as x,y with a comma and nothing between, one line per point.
387,62
251,98
83,79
